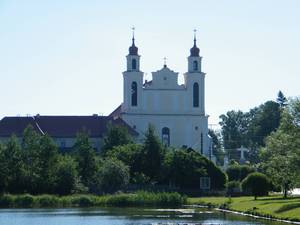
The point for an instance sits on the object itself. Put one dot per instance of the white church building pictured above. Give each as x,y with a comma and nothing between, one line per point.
177,112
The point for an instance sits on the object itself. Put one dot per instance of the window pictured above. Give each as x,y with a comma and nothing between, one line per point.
133,64
166,136
195,65
134,94
196,95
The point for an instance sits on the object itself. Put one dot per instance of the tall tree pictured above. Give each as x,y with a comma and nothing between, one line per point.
154,153
234,127
14,166
30,155
48,163
86,158
281,99
116,135
217,145
281,156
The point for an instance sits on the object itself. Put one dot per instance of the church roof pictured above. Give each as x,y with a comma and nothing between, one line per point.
195,50
60,126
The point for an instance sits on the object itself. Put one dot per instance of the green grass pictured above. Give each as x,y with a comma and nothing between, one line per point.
140,198
272,206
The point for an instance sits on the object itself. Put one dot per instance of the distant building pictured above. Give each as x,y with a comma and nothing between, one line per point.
63,129
177,112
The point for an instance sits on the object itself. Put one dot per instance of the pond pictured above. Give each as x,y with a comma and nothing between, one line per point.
123,216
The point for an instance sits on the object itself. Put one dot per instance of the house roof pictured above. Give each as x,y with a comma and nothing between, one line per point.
61,126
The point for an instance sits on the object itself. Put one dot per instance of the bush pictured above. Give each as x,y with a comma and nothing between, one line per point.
113,176
234,188
238,172
256,184
26,201
6,201
48,200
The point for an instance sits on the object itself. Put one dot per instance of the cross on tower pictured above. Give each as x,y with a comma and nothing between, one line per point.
195,32
165,62
133,29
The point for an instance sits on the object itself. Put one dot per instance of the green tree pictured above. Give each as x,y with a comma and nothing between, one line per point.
30,156
217,145
257,184
238,172
183,168
3,170
153,151
48,162
116,135
13,166
234,128
86,159
281,154
112,176
281,99
131,155
66,176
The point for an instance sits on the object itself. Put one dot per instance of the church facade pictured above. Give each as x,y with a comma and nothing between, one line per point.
177,112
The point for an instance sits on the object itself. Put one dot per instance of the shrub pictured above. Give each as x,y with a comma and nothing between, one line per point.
6,201
113,176
233,188
256,184
26,201
48,200
238,172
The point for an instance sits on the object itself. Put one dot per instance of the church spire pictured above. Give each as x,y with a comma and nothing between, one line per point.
133,50
195,50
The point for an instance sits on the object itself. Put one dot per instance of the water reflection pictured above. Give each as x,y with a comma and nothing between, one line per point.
123,216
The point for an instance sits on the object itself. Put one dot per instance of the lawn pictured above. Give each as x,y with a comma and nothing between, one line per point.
272,205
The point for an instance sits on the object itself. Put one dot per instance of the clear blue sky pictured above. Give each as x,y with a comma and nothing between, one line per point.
66,57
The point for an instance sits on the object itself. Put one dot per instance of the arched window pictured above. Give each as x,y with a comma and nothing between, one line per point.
133,64
196,95
134,93
165,133
195,65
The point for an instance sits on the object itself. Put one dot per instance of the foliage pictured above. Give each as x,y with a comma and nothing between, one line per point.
257,184
281,156
238,172
183,168
217,145
116,136
233,187
13,166
66,176
112,176
249,129
281,99
131,155
86,159
140,198
153,152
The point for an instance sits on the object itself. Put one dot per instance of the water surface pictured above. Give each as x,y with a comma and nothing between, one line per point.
123,216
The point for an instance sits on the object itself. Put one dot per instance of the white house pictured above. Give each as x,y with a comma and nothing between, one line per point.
176,111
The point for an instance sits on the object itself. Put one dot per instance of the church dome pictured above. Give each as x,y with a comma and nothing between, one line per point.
195,50
133,50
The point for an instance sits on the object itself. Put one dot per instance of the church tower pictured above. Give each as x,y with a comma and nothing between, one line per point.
132,81
194,81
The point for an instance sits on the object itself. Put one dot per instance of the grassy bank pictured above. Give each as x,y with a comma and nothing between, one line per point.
272,206
137,199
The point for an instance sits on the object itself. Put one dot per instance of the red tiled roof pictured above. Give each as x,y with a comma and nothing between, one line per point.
60,126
